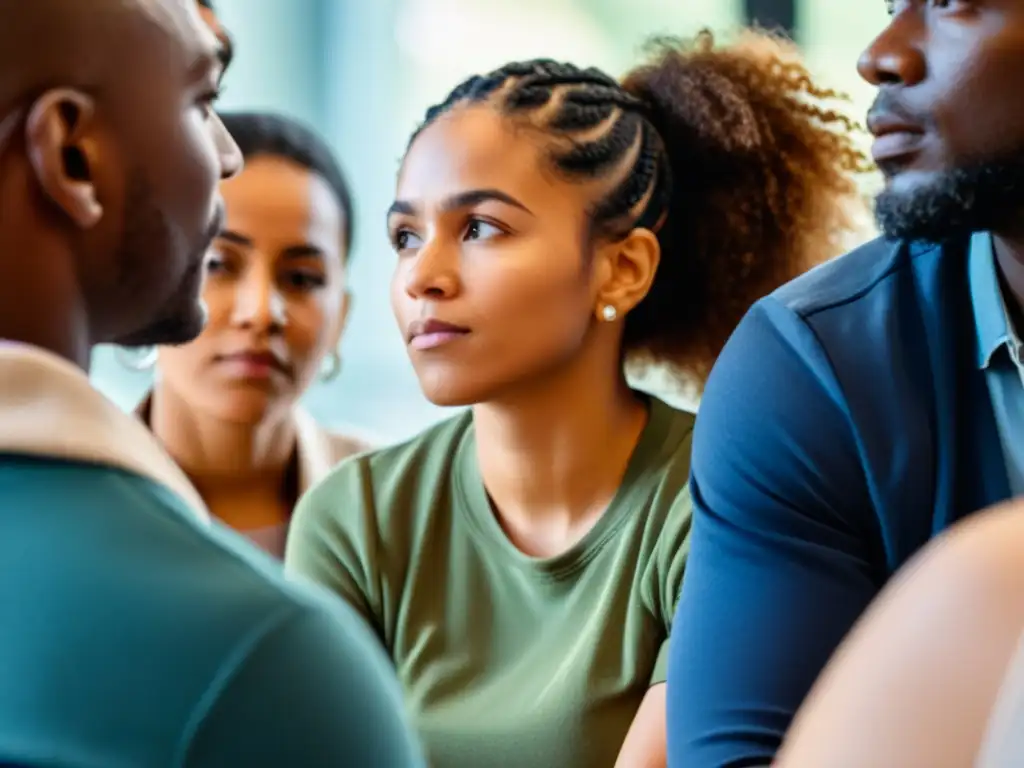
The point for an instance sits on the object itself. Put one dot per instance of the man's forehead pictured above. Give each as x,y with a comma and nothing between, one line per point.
182,21
210,19
226,47
171,14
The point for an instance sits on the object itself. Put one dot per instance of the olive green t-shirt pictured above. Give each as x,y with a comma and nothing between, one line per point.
507,661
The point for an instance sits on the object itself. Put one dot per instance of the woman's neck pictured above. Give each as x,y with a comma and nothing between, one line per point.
223,457
553,456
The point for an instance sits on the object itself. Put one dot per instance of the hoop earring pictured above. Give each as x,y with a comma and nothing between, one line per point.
330,367
136,359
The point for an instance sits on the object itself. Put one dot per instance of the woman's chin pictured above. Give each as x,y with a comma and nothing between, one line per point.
245,406
451,395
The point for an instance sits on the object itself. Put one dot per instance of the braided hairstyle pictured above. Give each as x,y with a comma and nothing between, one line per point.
729,154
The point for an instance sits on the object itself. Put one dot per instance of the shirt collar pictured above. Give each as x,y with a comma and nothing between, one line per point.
48,408
315,456
992,320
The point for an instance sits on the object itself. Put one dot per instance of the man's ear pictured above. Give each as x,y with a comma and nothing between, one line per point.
63,153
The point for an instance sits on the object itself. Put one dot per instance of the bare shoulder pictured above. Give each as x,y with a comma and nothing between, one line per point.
929,656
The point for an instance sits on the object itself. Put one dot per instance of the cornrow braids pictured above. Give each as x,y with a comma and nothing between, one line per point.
729,154
583,100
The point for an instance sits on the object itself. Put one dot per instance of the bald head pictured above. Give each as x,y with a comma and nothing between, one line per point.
209,15
106,115
73,43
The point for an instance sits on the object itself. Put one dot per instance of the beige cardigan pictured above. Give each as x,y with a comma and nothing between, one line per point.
319,450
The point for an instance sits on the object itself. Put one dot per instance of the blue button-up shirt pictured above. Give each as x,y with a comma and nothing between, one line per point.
1000,356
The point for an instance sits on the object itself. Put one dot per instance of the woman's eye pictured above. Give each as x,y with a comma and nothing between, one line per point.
215,264
305,281
404,239
481,230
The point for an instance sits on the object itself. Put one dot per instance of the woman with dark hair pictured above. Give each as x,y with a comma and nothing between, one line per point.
226,405
521,562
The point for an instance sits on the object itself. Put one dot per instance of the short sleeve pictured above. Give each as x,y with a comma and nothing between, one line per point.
669,565
314,689
333,539
780,558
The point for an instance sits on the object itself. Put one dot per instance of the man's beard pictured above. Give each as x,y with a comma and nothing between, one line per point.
180,321
977,198
150,237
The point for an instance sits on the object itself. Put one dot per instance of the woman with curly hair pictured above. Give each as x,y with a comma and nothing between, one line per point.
521,562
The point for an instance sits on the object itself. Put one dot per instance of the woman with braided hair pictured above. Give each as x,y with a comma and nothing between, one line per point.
521,562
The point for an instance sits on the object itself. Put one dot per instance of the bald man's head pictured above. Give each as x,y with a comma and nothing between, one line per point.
209,15
106,118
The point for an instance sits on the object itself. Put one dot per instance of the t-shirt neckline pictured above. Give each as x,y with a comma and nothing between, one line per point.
640,479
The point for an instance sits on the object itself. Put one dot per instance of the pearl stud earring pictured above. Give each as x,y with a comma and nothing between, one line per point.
609,313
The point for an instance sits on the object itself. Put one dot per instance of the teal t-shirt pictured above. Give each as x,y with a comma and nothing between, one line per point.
134,636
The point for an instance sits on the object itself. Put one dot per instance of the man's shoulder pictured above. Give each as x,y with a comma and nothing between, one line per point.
138,541
827,334
164,607
858,281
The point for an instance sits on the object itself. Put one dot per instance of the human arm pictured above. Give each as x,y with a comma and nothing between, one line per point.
312,688
915,682
779,564
645,744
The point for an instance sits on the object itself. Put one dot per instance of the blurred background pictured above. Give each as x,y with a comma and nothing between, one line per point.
362,74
